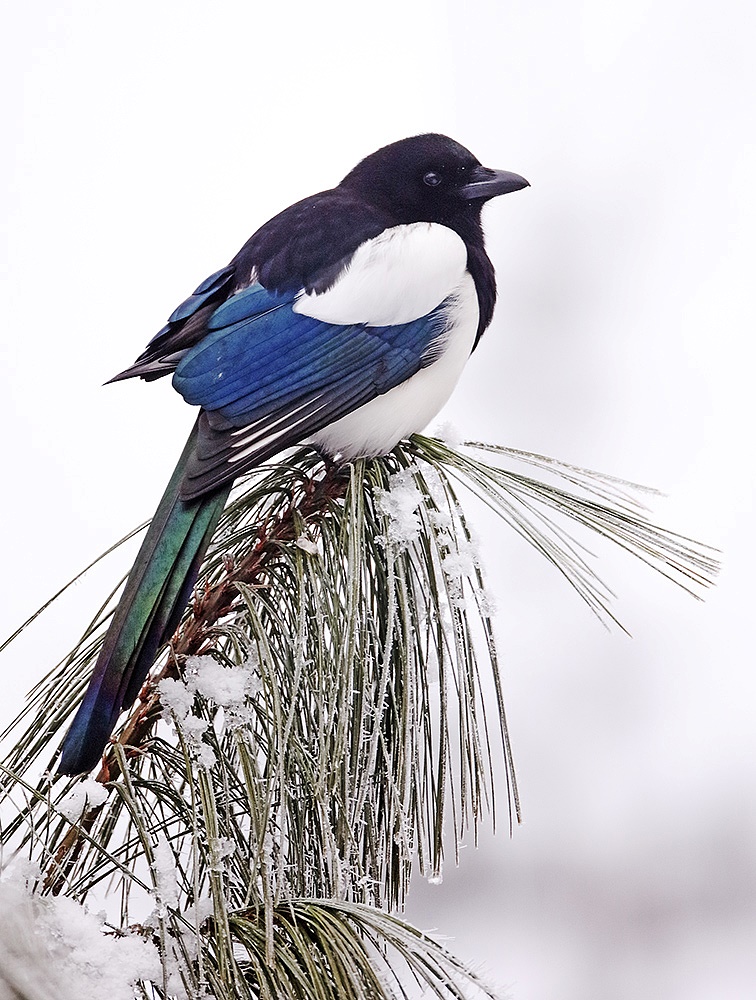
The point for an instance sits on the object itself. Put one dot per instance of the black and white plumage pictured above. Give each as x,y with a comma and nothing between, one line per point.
345,321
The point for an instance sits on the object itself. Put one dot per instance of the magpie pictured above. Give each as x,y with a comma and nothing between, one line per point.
344,322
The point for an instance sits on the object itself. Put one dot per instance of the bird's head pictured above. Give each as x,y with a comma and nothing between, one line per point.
428,178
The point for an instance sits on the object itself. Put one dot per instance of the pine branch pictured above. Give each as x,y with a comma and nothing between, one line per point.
285,813
210,605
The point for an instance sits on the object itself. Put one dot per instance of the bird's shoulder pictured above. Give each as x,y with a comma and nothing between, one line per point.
308,245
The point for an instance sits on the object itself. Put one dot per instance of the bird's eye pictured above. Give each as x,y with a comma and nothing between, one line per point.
432,179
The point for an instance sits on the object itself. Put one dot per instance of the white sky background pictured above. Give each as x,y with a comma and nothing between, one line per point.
144,144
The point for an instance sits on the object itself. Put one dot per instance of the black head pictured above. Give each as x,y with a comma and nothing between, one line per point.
428,178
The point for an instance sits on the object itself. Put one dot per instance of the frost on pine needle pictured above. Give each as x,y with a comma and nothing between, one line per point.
220,848
307,545
417,505
459,558
399,503
87,794
229,688
449,433
54,948
197,914
165,875
176,698
178,702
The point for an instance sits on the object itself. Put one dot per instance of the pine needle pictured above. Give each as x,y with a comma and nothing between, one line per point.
272,822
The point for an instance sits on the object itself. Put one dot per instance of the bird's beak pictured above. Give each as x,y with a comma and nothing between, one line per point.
487,183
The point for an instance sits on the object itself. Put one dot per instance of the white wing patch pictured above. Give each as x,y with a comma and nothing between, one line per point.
397,277
255,436
376,427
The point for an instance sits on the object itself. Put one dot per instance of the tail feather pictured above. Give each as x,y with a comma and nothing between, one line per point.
150,609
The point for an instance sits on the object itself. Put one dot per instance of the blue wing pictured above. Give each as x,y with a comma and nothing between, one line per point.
268,377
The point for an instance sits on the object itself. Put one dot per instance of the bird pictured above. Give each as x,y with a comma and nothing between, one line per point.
343,323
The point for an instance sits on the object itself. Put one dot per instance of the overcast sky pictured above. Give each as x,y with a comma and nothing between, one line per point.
144,143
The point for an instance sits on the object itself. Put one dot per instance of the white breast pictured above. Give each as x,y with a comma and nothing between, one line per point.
398,276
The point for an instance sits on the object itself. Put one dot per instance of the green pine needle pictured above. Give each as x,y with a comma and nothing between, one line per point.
272,823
